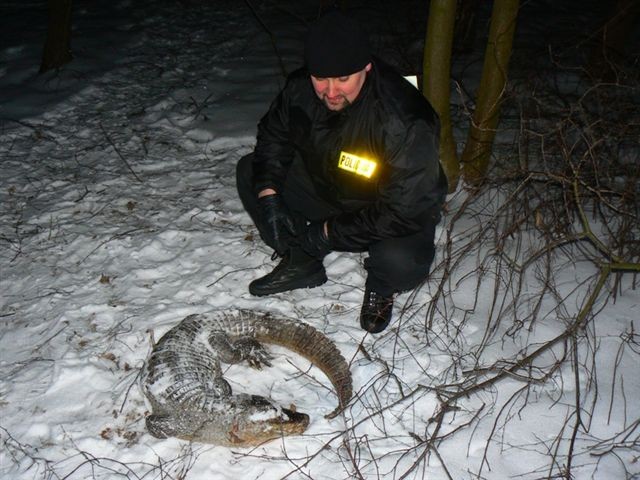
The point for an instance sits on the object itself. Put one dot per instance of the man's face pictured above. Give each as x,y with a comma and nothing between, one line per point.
339,92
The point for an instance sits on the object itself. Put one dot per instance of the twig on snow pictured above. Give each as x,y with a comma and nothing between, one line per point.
124,160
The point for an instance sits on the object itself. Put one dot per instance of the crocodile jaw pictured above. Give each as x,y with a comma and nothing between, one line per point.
242,420
260,428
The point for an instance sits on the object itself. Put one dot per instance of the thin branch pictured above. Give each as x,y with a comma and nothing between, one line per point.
124,160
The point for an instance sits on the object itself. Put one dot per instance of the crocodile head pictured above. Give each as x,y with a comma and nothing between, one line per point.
261,421
237,420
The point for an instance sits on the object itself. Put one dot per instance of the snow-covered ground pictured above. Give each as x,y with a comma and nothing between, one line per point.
119,217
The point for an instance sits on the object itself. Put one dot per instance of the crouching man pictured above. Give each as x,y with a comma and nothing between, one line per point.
346,159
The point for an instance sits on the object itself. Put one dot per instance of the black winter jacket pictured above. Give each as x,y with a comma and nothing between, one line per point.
389,123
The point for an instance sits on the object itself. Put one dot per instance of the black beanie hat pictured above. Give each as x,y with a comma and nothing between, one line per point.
336,46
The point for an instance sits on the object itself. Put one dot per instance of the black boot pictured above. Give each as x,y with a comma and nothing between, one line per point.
295,270
376,311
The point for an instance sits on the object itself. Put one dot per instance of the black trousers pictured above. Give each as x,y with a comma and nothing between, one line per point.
393,265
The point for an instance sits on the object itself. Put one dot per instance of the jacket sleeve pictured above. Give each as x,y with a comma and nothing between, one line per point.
274,150
411,193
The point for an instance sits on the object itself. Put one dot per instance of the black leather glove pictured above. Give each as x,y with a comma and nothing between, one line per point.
278,226
313,240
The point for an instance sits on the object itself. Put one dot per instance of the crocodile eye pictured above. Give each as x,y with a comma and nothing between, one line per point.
261,402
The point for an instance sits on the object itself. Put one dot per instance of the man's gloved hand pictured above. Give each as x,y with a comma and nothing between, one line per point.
279,225
314,241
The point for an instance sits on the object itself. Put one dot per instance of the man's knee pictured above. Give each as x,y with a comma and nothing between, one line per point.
244,184
244,173
399,264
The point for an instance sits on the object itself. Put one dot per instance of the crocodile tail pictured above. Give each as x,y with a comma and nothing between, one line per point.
311,344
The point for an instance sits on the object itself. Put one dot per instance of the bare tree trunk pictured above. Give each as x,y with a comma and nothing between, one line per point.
477,152
57,48
437,80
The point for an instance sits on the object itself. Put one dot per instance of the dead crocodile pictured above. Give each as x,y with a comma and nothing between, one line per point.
191,400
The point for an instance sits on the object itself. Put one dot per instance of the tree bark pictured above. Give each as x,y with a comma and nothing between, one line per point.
437,80
57,47
477,151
